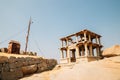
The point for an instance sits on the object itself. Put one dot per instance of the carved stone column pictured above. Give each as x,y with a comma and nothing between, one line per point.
62,55
89,38
86,49
97,51
91,50
82,52
77,52
85,37
68,56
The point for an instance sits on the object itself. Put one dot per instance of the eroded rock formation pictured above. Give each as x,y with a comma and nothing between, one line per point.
112,51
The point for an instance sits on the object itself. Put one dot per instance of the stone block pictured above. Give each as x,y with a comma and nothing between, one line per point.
37,61
5,67
29,69
18,64
28,58
20,59
42,67
3,59
12,65
25,63
0,67
19,73
8,76
12,59
31,62
15,74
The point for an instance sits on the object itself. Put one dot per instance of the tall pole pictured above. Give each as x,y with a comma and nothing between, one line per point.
27,37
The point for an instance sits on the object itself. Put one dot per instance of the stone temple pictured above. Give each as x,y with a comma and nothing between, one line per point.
81,46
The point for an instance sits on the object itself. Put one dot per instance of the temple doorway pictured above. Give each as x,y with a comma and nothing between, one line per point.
72,55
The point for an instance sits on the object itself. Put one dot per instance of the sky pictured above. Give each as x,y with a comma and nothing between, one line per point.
53,19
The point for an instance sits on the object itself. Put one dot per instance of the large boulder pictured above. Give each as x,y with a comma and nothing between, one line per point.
29,69
112,51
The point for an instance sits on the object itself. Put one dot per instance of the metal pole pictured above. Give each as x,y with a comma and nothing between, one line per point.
27,37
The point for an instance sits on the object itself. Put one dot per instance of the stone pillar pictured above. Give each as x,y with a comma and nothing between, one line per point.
67,42
68,56
86,49
85,37
89,38
97,51
91,50
99,41
100,53
83,52
66,53
62,54
77,52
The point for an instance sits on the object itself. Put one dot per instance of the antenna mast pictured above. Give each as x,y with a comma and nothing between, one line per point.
27,37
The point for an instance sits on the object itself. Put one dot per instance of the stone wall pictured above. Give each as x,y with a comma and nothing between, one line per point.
13,68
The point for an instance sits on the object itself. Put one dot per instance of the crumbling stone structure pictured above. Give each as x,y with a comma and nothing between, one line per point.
13,68
14,47
5,50
81,46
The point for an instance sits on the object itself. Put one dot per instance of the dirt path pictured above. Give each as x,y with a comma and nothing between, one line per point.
38,76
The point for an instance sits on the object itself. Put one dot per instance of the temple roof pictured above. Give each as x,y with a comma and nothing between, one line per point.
81,33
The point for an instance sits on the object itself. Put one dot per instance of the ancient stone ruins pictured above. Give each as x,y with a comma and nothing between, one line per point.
81,46
14,65
14,47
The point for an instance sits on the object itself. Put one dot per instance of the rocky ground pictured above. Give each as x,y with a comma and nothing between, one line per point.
105,69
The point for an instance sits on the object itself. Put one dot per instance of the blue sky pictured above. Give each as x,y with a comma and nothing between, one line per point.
53,19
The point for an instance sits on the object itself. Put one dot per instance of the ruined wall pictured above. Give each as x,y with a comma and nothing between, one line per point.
12,68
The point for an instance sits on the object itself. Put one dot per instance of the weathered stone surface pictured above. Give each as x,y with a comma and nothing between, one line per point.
13,68
25,63
8,76
5,50
42,67
0,67
12,75
12,65
29,69
12,59
14,47
5,67
37,60
18,64
19,72
28,58
51,63
112,51
3,59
